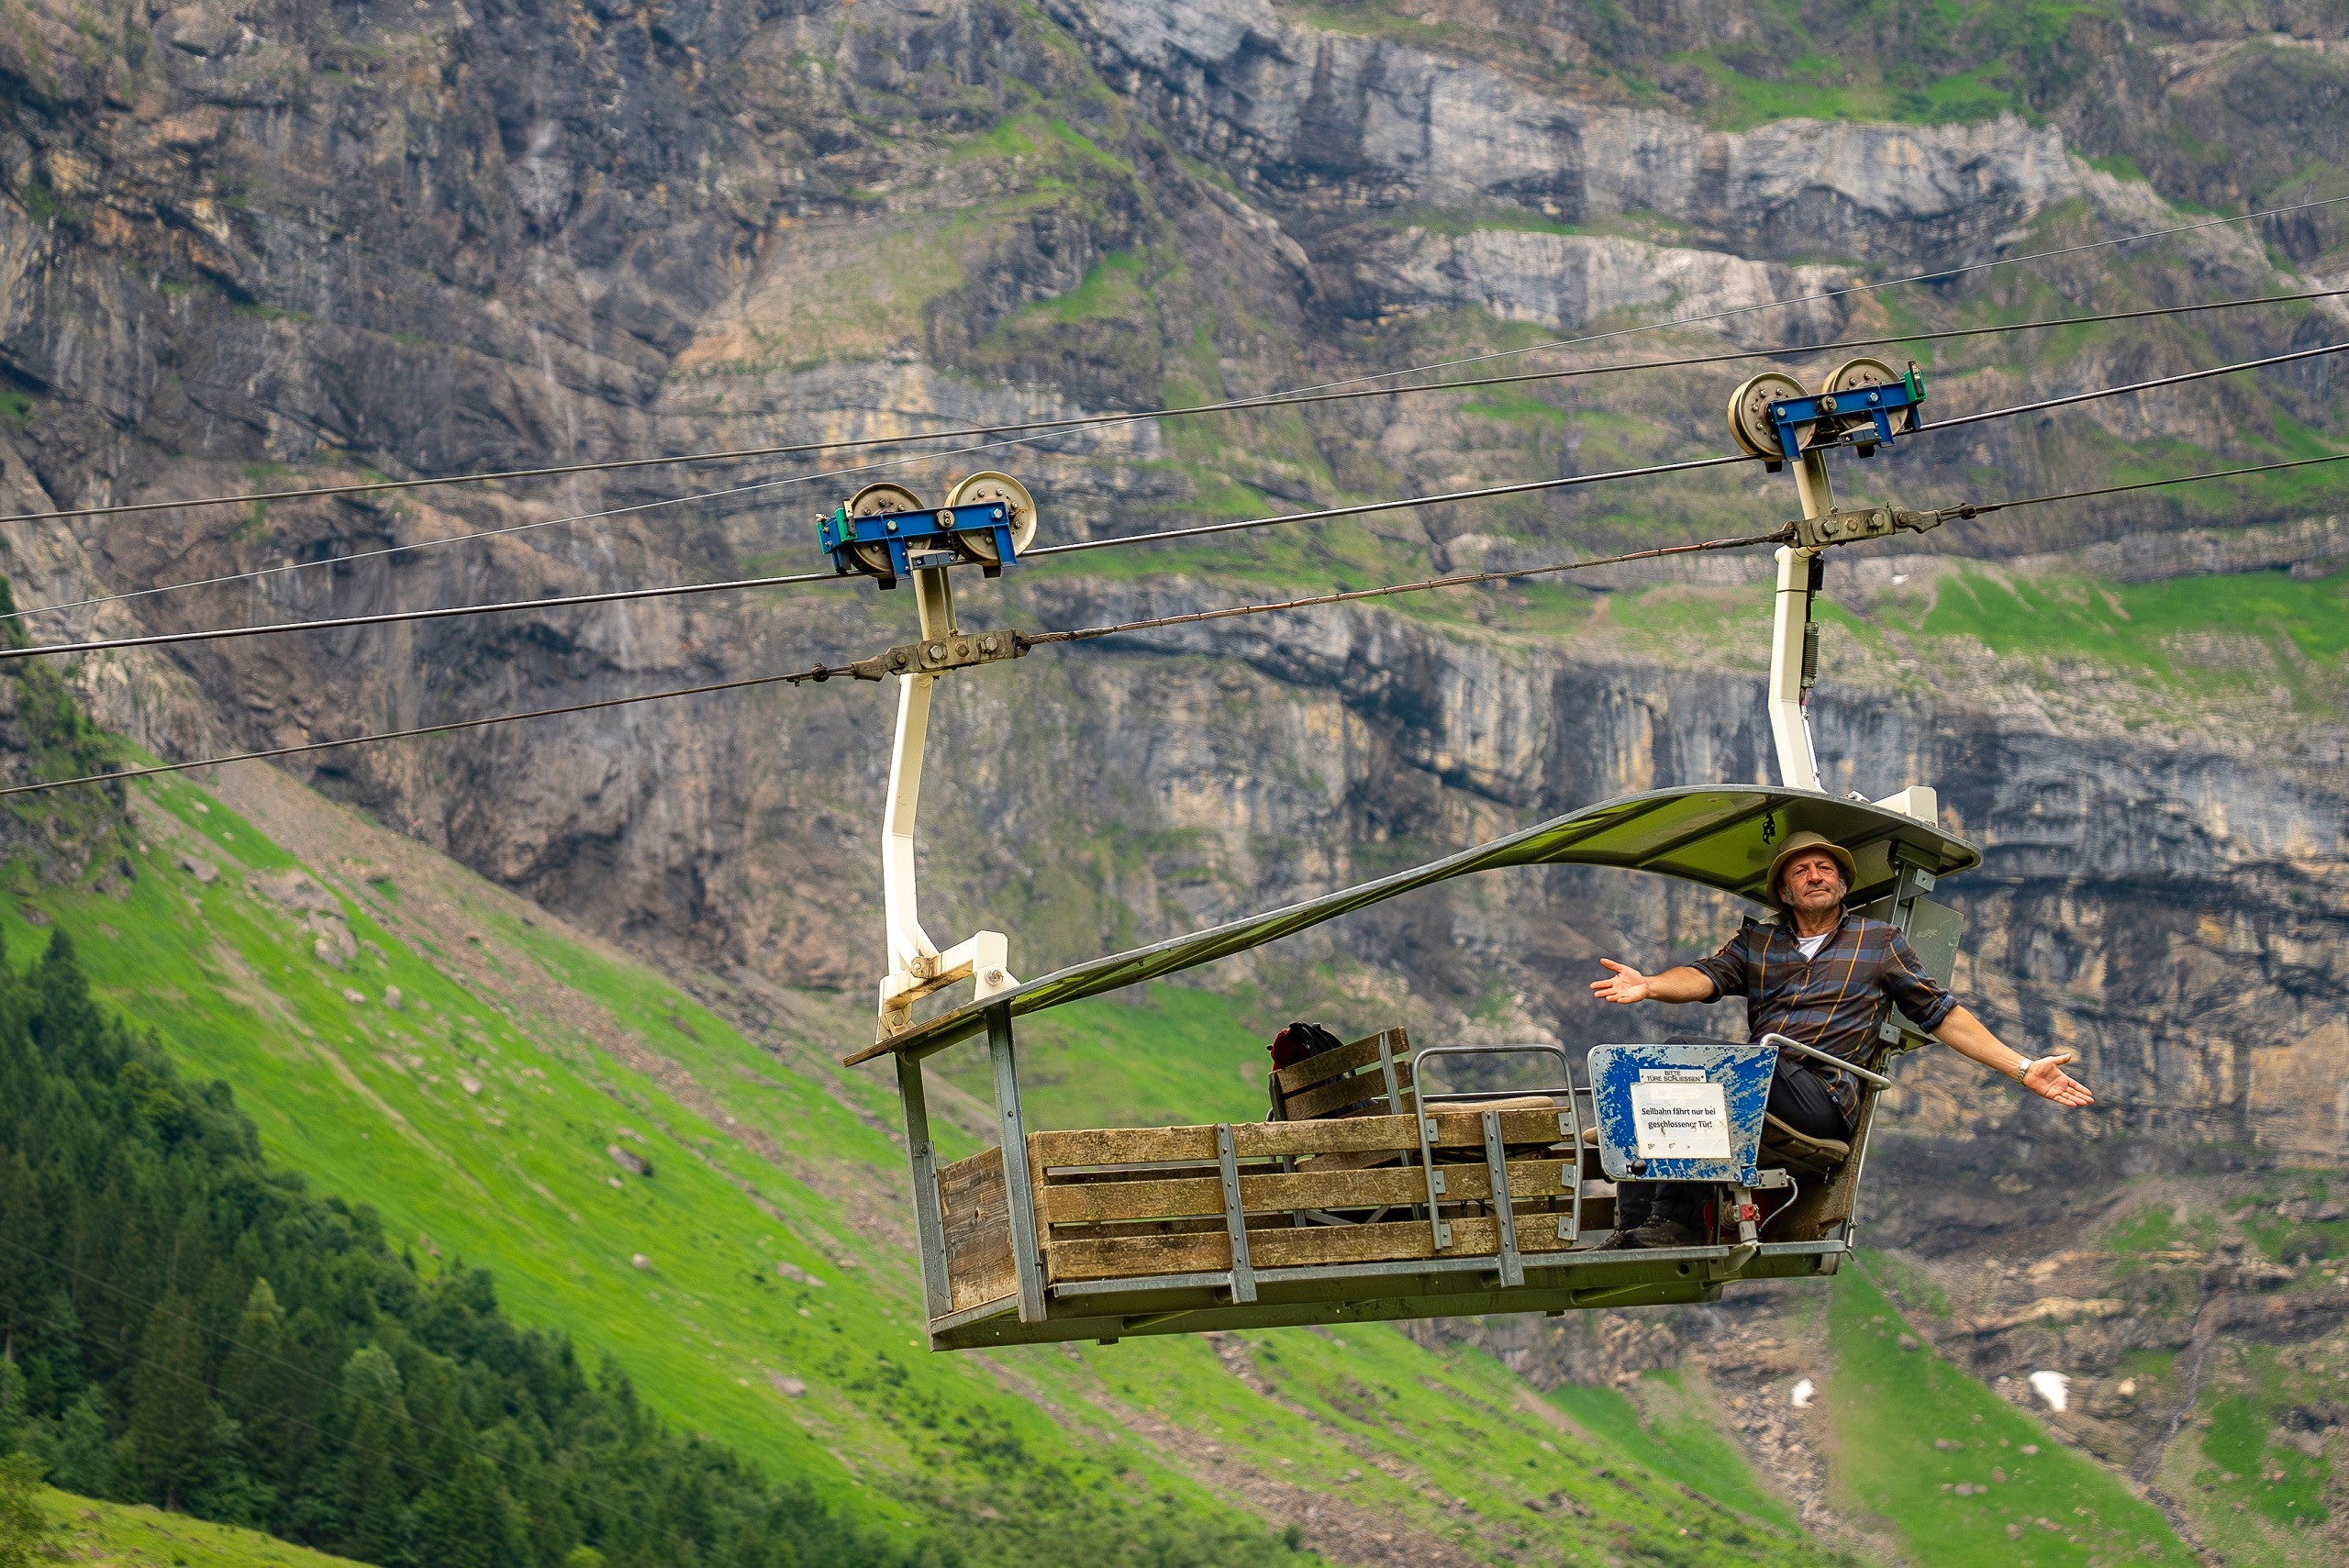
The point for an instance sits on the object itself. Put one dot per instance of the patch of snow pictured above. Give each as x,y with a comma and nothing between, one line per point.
1802,1394
2055,1387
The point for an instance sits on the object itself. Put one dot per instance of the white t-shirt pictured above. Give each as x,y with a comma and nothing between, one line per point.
1810,945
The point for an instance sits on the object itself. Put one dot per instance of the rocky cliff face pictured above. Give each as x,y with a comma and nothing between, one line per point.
270,245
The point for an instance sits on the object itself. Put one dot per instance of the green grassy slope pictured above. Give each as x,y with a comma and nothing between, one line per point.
118,1535
1911,1430
1673,1441
476,1116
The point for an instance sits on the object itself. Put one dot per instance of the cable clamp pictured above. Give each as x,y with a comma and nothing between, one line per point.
936,655
1871,522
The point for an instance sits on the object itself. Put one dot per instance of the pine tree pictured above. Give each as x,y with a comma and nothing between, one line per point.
374,1493
82,1459
171,1418
467,1521
254,1383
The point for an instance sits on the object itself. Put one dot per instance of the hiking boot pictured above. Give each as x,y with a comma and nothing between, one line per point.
1653,1234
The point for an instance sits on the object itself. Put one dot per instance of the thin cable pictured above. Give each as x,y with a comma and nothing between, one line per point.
1466,579
818,672
2158,382
1573,373
821,672
515,528
1569,374
1983,508
1264,400
1456,580
622,595
1206,529
1836,294
1445,497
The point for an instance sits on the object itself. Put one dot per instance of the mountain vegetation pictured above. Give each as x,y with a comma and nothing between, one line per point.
188,1327
256,245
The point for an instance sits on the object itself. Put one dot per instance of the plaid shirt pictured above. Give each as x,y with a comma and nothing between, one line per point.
1834,1000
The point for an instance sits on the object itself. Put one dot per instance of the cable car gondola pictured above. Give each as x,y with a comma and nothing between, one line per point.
1366,1192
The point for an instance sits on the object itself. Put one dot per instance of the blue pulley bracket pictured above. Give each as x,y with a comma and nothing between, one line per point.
1863,416
906,540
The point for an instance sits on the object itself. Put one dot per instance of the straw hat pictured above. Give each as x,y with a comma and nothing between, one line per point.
1795,844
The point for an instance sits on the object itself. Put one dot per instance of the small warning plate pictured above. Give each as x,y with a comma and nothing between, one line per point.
1680,1121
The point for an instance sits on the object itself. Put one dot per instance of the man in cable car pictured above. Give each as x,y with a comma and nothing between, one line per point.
1823,976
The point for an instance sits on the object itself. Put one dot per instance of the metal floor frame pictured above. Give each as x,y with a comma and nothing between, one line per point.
1109,1311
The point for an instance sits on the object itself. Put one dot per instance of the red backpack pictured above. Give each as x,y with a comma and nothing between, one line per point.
1299,1040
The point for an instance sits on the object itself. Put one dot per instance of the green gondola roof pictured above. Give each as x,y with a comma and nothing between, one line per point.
1721,837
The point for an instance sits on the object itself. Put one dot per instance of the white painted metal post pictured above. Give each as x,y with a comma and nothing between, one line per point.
916,966
1790,725
908,943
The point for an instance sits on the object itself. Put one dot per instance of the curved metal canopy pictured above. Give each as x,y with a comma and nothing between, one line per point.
1721,837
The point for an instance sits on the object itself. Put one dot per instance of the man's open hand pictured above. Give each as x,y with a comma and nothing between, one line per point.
2047,1079
1626,984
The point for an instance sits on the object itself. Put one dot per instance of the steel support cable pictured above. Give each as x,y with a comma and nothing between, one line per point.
1983,508
1204,529
1271,400
822,672
1349,595
1266,400
624,595
1486,492
819,673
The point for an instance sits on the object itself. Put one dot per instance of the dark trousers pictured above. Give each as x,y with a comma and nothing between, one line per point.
1798,1096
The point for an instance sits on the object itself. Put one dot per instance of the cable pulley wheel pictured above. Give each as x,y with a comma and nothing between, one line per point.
1749,412
1858,375
978,488
880,501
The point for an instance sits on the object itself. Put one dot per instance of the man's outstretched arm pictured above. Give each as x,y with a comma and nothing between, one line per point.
1627,984
1967,1035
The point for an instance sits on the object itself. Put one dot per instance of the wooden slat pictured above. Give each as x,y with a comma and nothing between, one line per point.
1260,1140
1120,1146
1363,1052
1197,1225
1138,1257
1339,1093
1101,1202
976,1208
